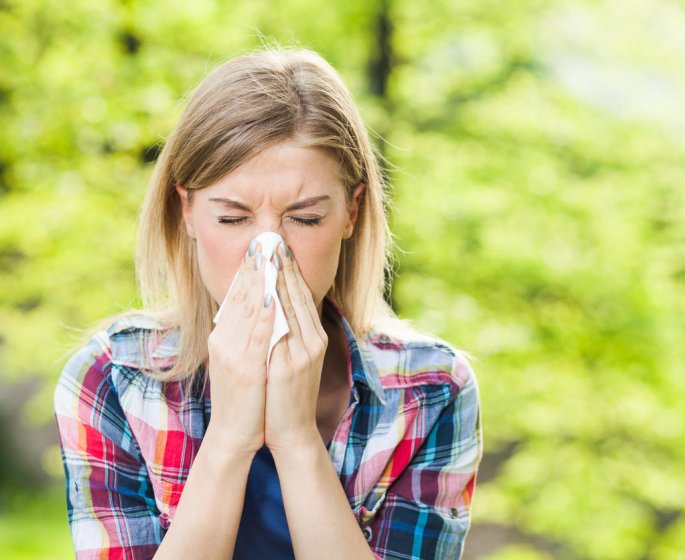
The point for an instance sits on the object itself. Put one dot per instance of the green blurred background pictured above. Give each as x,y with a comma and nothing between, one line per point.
537,164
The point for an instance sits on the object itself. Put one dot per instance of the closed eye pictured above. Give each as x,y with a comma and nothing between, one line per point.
307,221
232,221
237,221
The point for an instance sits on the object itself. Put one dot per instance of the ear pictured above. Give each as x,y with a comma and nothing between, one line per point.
357,197
185,204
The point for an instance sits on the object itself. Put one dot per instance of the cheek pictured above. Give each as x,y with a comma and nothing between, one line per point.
219,255
317,257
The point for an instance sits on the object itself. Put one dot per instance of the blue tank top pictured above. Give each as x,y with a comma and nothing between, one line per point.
263,531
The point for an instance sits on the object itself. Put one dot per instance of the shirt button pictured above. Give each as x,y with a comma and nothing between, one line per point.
384,338
164,521
368,533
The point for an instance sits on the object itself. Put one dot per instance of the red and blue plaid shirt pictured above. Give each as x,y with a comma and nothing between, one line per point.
406,450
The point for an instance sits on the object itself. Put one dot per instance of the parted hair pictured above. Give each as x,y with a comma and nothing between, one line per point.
243,106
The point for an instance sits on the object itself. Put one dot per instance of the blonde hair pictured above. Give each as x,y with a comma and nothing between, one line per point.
242,107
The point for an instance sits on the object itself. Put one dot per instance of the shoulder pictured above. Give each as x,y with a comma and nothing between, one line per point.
404,357
142,342
132,341
85,371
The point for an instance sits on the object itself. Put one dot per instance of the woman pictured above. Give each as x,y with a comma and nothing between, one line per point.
363,440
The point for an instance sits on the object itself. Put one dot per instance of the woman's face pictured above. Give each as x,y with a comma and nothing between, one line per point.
292,190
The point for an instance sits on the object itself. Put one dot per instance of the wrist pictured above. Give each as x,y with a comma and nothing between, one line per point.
302,445
224,448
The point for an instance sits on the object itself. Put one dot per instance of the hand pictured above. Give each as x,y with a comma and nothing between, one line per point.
292,389
237,362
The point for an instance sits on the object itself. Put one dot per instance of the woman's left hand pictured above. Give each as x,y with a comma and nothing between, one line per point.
292,387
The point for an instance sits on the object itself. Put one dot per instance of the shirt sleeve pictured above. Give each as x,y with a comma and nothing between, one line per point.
110,502
426,510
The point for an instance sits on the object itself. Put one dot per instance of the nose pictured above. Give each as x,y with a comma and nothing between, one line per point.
275,227
269,224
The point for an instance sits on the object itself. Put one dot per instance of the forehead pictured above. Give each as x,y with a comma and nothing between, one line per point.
285,170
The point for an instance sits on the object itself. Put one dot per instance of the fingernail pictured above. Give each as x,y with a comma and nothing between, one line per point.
277,262
258,262
286,251
252,247
267,300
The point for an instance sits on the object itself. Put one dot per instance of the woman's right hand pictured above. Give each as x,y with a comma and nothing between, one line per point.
238,347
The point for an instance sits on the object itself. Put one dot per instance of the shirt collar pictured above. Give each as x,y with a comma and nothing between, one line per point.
364,370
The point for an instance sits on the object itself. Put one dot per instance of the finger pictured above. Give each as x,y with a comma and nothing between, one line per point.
237,290
280,352
314,313
288,311
246,303
302,300
309,299
258,346
307,331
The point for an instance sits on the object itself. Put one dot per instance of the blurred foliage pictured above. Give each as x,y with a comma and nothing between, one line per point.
537,153
18,527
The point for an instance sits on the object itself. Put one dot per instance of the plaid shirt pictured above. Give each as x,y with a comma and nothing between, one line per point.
406,450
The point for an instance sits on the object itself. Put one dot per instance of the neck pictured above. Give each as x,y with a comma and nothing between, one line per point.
334,371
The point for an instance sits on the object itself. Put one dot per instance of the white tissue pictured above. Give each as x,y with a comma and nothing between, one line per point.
269,240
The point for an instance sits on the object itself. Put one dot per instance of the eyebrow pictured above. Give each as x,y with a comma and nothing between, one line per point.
304,203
